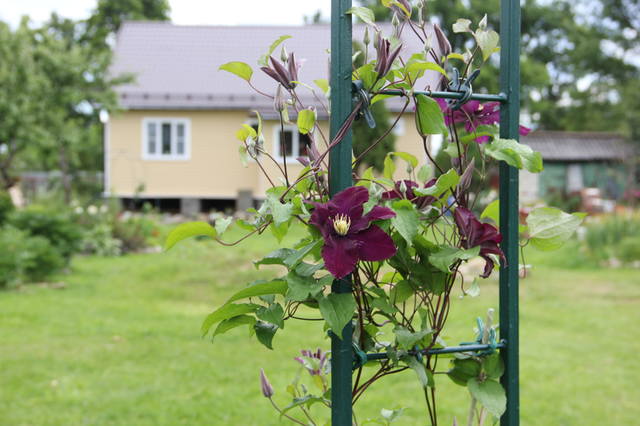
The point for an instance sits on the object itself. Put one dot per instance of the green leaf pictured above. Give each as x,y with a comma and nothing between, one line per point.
222,224
300,288
337,309
275,257
462,26
490,394
188,230
444,183
265,332
493,366
281,212
515,154
487,41
306,121
410,159
307,400
446,256
463,370
270,287
296,256
367,74
417,69
323,84
225,312
401,291
391,415
424,376
279,231
307,269
389,167
407,340
364,14
240,69
406,220
264,59
492,211
424,172
550,228
232,323
273,314
429,117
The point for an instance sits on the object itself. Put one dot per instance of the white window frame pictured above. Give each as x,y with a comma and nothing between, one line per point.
295,142
174,122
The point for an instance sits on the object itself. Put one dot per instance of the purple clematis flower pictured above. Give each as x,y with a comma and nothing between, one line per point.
285,76
474,114
316,363
475,233
349,235
407,192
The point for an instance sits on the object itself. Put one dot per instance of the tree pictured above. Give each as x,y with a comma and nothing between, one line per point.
576,66
109,15
21,95
364,136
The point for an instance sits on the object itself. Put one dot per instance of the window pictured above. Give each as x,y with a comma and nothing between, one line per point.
295,144
165,139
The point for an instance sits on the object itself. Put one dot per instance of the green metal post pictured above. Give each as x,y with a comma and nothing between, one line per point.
509,122
339,179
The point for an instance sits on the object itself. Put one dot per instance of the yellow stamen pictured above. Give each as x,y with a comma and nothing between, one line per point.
341,224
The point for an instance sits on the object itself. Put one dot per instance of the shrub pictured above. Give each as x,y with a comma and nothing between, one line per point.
136,233
6,206
99,240
614,237
56,227
26,258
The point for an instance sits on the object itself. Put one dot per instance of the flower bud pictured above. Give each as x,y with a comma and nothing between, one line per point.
279,101
443,42
366,40
267,389
403,187
395,22
284,56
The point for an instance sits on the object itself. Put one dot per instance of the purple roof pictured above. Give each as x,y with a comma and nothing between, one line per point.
176,67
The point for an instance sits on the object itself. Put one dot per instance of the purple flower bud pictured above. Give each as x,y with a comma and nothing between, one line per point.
281,71
267,389
465,179
443,42
293,69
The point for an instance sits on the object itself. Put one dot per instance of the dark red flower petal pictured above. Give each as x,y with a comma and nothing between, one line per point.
340,255
350,200
488,266
374,244
320,217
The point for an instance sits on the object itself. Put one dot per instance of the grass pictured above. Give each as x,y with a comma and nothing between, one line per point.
120,345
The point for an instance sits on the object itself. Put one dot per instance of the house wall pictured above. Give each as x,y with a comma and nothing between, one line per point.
214,169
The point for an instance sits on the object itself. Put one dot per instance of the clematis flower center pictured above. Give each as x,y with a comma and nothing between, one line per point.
341,224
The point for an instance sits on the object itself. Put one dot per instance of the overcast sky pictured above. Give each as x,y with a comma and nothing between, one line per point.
184,12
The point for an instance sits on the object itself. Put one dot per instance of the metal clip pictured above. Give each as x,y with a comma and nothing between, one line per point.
461,85
361,95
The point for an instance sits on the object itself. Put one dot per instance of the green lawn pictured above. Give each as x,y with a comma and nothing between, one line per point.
120,345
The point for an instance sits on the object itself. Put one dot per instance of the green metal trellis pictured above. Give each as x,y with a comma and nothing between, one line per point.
341,178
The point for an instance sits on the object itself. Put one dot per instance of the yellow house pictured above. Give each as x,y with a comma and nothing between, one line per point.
174,140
